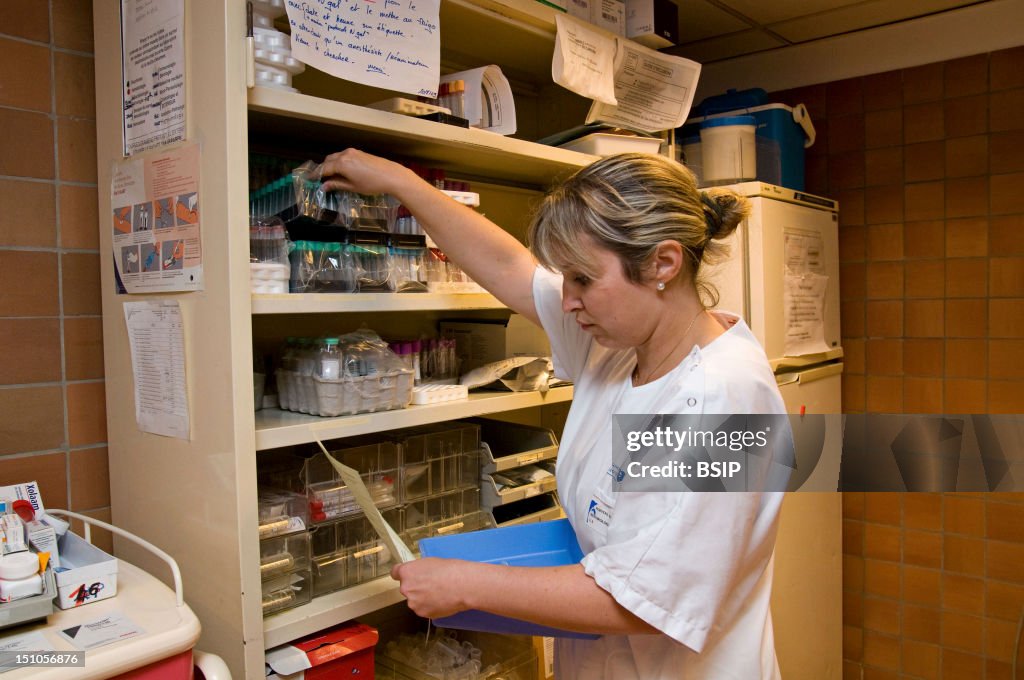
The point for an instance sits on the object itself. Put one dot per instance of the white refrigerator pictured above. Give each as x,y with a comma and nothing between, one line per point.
782,277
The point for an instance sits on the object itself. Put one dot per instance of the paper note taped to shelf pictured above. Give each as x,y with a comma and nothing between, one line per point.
632,86
390,44
584,59
488,100
399,550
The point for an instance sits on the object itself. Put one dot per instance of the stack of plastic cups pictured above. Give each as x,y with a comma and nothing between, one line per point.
275,64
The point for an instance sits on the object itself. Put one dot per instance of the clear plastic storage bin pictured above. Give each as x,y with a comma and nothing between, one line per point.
329,497
283,554
286,591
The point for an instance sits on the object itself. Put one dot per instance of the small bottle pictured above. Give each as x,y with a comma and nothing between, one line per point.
458,99
329,364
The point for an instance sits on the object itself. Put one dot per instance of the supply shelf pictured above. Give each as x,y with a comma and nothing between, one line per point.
335,303
469,153
329,610
276,428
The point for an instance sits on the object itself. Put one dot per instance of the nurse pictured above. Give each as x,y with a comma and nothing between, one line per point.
676,584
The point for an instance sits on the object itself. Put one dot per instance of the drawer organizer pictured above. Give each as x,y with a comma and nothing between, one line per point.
517,484
425,480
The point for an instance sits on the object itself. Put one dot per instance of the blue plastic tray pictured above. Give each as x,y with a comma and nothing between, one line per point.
542,544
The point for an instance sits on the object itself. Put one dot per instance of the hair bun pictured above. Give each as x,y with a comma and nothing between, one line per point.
723,211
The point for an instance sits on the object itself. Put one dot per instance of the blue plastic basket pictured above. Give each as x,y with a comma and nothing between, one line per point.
541,544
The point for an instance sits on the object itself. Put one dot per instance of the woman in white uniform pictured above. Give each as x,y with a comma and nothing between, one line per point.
676,584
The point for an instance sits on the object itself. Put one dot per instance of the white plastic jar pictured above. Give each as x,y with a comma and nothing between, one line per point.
729,149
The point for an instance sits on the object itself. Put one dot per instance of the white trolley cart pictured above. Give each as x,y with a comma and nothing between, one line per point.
163,651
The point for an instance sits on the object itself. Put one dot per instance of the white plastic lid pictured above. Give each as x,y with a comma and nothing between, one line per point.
19,565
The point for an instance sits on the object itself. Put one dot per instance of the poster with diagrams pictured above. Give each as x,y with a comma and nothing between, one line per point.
156,221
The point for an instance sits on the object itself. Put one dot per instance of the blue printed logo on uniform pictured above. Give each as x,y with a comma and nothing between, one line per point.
593,508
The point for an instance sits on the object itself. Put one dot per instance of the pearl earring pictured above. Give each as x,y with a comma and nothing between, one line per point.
661,285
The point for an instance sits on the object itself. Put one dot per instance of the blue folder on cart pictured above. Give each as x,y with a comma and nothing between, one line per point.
541,544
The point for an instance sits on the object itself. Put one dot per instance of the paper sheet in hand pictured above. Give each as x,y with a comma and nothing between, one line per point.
399,551
389,44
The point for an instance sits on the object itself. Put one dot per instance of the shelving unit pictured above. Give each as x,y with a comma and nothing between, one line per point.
196,498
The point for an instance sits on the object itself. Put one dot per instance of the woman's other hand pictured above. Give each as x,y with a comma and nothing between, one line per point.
354,170
432,586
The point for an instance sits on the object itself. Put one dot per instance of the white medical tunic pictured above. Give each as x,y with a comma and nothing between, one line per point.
696,566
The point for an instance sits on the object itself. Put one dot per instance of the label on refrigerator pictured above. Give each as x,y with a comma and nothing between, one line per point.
804,253
804,309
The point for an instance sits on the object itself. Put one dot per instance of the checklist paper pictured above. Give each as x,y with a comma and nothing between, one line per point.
157,340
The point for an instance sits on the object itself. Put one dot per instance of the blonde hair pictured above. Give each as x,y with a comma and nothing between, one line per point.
629,203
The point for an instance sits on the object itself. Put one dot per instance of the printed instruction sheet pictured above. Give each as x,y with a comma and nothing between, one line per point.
153,70
156,337
156,221
650,91
391,44
803,293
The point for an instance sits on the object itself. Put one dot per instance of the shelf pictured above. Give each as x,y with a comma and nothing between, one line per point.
275,428
468,153
321,303
525,51
329,610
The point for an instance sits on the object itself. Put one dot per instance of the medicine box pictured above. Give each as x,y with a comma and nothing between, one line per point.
579,8
344,651
483,342
88,574
654,23
544,544
609,15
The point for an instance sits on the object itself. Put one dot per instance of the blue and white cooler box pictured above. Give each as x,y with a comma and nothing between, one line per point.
782,134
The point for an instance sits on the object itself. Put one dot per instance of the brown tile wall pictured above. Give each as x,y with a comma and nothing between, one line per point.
52,410
927,164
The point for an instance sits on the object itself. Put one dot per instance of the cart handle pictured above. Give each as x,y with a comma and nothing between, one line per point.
89,521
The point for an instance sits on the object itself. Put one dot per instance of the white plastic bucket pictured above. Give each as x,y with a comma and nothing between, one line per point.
729,149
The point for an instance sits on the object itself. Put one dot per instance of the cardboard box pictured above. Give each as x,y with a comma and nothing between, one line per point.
609,15
654,23
579,9
483,342
345,651
88,574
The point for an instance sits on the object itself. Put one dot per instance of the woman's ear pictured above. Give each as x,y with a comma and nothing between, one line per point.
667,261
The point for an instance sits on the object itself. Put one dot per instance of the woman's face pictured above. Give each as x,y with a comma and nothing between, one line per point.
616,311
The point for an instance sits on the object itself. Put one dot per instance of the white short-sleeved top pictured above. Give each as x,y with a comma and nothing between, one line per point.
696,566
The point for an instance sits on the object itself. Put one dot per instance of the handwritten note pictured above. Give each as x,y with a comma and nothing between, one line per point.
391,44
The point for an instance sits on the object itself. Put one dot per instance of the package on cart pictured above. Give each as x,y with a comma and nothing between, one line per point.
343,651
88,574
